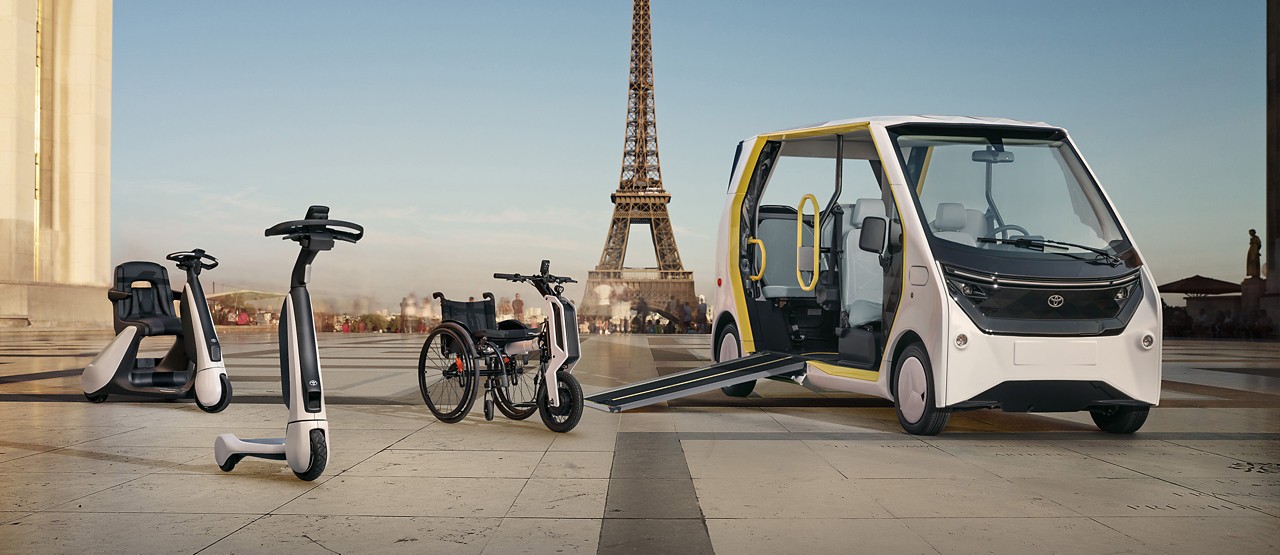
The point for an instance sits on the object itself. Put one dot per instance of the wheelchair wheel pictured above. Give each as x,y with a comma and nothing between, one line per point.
519,400
446,375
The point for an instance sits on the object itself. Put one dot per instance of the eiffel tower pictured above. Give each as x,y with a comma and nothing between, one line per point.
640,198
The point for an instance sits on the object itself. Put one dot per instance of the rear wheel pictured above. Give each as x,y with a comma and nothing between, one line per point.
96,398
564,417
914,394
1120,420
727,348
319,456
445,375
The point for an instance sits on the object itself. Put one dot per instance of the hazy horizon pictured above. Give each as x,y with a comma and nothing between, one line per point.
482,137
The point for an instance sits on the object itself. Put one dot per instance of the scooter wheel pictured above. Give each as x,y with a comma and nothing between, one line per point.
231,463
96,398
564,417
223,401
319,456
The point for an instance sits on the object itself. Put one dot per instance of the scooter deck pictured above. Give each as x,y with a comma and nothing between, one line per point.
691,382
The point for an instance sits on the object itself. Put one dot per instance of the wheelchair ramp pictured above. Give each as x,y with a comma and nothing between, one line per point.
698,380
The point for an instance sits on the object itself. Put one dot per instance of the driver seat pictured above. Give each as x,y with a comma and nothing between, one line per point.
481,320
150,309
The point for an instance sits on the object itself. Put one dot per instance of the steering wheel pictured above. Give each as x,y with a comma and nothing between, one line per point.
188,259
1007,227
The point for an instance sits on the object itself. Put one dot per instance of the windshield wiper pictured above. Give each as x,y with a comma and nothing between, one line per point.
1041,244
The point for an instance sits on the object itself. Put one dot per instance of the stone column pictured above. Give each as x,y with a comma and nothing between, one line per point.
55,162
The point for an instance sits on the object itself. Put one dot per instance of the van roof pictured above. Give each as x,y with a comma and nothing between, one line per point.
895,120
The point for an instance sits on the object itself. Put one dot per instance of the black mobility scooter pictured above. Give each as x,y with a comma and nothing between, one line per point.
142,303
470,344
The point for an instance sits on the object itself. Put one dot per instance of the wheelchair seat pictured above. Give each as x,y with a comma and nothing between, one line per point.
150,309
506,336
481,320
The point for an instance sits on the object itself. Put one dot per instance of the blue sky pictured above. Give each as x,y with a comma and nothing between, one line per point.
475,137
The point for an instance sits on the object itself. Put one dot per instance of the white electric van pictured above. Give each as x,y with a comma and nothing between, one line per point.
946,263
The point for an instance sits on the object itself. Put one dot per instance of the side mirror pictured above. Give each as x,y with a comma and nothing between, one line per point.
873,232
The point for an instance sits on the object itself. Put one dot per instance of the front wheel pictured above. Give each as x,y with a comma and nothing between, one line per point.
223,400
319,456
564,417
445,375
914,397
96,398
1120,420
727,348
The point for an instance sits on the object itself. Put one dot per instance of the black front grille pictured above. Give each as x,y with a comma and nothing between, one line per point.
992,298
1052,304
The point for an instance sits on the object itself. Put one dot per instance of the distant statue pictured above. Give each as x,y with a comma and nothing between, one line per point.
1251,260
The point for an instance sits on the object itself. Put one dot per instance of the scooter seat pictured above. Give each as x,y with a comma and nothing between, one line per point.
507,336
151,326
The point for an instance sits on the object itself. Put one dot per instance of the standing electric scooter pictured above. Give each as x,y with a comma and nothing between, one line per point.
305,445
142,304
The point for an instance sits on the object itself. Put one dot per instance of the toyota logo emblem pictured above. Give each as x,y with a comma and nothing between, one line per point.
1055,301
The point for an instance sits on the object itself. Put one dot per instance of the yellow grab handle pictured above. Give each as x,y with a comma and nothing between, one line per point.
763,259
817,240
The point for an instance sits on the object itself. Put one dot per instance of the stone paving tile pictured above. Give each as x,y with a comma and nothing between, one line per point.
749,460
106,459
183,493
408,496
1192,535
36,492
814,536
1098,497
359,534
536,536
574,464
787,497
121,532
561,498
929,497
1017,536
449,464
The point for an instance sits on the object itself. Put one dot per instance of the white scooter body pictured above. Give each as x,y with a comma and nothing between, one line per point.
306,443
118,370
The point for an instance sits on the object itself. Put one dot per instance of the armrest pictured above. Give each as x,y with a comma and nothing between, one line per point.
117,295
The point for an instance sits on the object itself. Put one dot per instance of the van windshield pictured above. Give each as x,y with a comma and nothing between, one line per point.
1007,190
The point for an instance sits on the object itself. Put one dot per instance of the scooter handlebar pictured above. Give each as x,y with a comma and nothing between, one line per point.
197,256
509,277
297,229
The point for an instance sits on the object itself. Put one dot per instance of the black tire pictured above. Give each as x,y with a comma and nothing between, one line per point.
223,401
488,409
1120,420
231,463
564,417
446,375
524,389
913,393
96,398
319,456
718,349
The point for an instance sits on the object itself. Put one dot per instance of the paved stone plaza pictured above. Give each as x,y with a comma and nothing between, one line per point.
788,470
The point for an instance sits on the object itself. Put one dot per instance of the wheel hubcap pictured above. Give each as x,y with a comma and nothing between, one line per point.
912,390
728,348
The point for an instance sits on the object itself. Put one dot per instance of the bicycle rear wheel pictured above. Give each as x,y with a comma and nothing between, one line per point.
446,375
